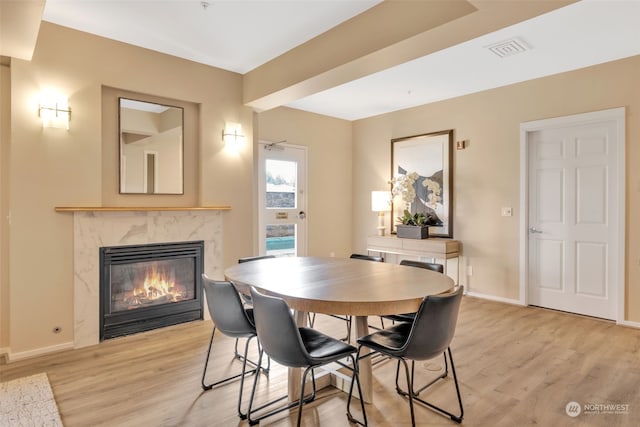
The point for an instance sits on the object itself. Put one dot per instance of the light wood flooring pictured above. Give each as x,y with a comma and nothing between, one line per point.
517,366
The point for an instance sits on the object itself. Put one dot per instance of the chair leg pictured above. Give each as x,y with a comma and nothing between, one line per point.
206,364
251,362
424,387
411,395
410,388
442,376
241,375
252,410
311,318
301,399
242,415
356,378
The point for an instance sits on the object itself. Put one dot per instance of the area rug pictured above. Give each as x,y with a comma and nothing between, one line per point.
28,402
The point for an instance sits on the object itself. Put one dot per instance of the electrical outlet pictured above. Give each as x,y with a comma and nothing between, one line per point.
507,211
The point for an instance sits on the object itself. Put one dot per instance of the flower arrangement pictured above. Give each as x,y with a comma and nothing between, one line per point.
403,186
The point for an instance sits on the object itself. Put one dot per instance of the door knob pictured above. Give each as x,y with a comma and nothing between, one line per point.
534,230
302,215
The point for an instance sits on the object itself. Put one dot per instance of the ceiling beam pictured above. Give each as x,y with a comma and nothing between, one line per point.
19,26
354,49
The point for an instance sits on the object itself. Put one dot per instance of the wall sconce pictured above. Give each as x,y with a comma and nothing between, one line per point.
54,112
232,135
381,203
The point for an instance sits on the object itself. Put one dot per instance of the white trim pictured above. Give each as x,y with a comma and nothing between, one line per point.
14,357
629,324
493,298
614,114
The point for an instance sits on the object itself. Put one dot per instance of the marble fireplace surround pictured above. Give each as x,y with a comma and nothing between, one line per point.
97,227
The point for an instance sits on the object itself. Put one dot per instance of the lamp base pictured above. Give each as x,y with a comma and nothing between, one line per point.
381,226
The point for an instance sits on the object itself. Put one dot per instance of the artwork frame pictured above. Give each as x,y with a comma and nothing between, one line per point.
430,155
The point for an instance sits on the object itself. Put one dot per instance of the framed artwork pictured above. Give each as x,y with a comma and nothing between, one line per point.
427,158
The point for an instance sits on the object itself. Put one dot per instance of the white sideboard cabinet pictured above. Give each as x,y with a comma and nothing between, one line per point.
441,251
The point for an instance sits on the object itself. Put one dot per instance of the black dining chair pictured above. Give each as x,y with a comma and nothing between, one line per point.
348,319
233,320
296,347
438,268
367,257
254,258
428,336
247,299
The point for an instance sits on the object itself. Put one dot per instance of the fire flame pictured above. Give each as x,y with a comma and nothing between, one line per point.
156,283
158,287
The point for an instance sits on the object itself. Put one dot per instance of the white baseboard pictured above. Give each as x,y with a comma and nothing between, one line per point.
14,357
629,323
493,298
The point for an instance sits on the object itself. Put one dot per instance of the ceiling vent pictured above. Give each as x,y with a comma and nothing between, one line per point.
509,47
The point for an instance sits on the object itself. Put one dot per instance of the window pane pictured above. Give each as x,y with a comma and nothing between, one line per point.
281,240
281,182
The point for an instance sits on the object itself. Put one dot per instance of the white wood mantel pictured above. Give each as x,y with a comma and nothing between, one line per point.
442,251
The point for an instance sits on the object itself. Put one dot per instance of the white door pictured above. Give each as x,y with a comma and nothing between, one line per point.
282,199
575,196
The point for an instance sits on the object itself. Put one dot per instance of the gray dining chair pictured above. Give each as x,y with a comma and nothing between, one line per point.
246,299
428,336
296,347
231,319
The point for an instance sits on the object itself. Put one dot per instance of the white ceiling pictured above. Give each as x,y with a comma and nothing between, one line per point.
241,35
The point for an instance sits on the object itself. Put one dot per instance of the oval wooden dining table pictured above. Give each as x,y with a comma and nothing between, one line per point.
340,286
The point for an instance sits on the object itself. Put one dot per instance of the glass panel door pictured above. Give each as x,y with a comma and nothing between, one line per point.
282,200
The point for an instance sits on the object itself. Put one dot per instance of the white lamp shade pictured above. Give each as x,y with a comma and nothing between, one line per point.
380,201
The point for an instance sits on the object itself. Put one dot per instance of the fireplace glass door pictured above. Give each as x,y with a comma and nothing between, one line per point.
145,287
148,283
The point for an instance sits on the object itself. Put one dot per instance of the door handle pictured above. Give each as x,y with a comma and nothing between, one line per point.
534,230
302,215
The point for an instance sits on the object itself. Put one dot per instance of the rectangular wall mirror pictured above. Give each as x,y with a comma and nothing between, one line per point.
151,148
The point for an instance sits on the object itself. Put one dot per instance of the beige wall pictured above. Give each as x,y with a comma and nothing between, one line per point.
54,167
329,173
486,174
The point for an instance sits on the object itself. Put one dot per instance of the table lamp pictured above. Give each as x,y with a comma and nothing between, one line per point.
381,203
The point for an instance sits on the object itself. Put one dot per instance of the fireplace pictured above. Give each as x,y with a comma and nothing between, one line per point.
144,287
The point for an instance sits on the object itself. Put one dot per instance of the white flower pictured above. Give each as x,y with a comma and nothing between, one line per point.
434,192
403,187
